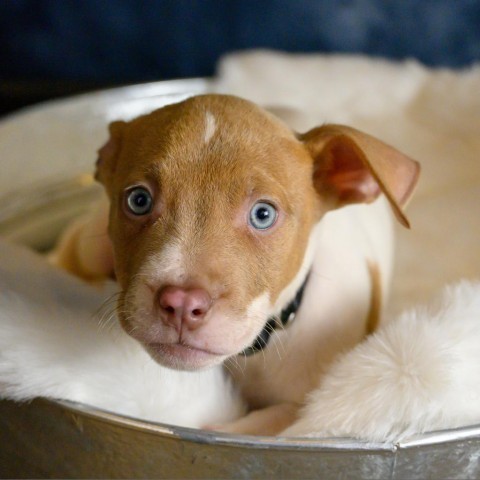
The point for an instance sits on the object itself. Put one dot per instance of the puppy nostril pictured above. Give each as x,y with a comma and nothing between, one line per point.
180,306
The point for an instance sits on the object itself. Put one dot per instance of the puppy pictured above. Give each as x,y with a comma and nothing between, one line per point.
236,240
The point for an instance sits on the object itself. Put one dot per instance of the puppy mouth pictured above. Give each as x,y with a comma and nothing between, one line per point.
181,356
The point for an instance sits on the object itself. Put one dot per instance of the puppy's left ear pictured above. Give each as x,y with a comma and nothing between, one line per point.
108,153
353,167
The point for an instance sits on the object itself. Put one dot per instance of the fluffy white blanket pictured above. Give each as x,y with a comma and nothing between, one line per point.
57,342
419,372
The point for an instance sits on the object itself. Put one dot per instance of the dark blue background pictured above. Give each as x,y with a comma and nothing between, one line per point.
74,44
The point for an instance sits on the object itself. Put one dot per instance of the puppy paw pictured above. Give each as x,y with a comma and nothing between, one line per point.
266,421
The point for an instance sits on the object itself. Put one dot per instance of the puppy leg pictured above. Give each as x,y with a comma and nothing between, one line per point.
266,421
84,249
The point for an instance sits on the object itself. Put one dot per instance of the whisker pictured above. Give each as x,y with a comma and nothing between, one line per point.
242,368
228,369
276,342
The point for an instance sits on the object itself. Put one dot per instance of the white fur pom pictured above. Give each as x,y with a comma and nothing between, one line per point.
418,373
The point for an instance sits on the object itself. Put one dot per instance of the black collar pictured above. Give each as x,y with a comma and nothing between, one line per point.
286,317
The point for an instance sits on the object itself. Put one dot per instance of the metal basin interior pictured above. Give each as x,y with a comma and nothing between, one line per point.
62,439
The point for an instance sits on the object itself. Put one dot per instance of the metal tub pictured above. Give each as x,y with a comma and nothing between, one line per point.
44,154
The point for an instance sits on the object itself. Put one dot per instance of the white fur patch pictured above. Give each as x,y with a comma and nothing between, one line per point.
259,307
167,266
210,127
256,313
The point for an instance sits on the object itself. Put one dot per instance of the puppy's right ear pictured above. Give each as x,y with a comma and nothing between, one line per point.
353,167
108,154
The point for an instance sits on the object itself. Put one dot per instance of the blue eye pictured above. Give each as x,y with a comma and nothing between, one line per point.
263,215
139,201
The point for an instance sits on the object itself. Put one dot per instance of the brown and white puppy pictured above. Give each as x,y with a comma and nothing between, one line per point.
219,213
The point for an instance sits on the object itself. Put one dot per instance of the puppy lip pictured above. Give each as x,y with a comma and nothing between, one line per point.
181,349
183,357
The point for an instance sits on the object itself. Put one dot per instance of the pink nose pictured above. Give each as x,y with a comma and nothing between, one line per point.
179,306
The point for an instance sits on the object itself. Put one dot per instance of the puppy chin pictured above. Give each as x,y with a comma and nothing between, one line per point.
183,357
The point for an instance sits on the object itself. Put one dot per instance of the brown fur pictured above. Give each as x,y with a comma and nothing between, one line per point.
374,314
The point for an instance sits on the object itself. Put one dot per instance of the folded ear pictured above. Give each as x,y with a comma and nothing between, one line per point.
107,155
353,167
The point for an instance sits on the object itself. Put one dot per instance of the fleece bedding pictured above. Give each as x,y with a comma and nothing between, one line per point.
432,115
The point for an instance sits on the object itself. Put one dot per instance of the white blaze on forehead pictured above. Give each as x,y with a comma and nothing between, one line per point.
210,127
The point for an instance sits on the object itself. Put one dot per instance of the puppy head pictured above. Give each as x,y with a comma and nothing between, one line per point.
212,204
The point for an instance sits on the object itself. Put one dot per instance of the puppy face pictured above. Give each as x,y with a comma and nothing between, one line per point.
232,206
212,205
